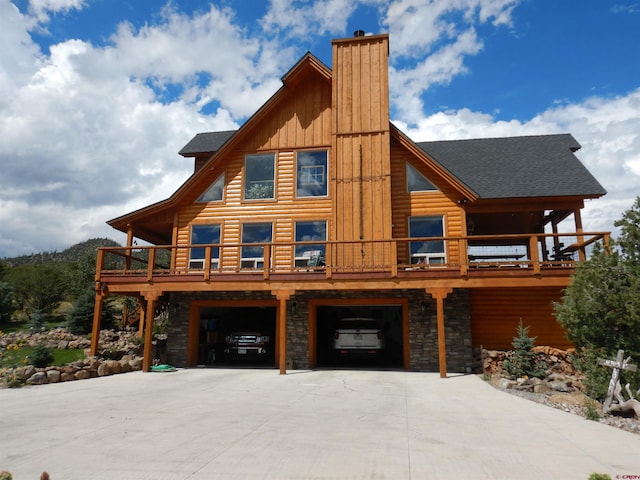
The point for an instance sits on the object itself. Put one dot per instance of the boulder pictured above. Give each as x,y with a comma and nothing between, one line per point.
114,366
63,344
67,376
25,372
136,363
82,374
53,375
125,366
38,378
560,386
103,370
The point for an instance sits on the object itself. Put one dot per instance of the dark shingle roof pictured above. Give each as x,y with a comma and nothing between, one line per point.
516,167
510,167
208,142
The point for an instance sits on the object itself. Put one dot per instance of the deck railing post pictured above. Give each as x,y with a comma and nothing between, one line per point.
533,254
464,256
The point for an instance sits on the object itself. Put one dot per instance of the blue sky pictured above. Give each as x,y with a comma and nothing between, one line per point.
98,96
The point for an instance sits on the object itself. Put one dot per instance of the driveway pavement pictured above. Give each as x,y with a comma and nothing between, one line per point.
255,424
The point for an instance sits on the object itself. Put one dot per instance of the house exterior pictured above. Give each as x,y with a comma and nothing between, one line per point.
318,208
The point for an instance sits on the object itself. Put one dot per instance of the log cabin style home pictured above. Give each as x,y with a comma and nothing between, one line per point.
319,209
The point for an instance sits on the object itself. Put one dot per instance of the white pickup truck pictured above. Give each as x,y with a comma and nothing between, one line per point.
358,337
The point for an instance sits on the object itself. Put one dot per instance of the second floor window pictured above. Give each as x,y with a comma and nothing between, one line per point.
311,174
416,182
253,257
214,192
259,176
427,251
204,235
310,254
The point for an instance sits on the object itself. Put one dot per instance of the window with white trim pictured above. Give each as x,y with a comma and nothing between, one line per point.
430,252
310,255
204,235
253,257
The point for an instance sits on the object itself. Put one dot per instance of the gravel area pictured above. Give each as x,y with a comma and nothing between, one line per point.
574,403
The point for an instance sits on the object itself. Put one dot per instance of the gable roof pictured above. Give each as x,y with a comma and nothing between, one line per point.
517,167
493,168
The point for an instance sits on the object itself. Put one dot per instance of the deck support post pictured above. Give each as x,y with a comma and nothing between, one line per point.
97,316
282,296
150,308
439,294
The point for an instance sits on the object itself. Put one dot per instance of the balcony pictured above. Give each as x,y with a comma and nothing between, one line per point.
489,260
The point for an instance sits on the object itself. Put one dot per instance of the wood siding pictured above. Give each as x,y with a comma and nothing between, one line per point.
442,202
233,211
302,121
495,314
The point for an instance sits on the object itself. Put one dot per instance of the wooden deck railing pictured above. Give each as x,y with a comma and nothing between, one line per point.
533,252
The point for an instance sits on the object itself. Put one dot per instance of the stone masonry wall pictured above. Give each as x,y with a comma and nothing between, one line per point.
423,333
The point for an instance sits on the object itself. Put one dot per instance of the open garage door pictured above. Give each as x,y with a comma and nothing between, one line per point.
347,336
240,336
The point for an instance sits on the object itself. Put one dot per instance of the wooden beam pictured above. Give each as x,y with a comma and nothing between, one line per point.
282,296
439,294
151,300
97,316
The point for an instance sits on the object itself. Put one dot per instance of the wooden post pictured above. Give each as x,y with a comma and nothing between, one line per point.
282,296
533,254
620,363
97,315
582,255
151,299
439,294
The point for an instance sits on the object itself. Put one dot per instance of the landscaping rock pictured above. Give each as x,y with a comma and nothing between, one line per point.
81,375
103,370
25,372
38,378
114,366
53,375
67,377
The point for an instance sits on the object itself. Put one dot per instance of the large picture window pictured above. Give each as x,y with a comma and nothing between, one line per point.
427,251
416,182
311,174
214,192
204,235
259,175
253,257
310,254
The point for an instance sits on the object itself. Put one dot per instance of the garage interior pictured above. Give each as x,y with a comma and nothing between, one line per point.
216,323
389,318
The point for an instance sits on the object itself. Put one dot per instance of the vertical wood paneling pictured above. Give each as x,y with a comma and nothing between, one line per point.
360,127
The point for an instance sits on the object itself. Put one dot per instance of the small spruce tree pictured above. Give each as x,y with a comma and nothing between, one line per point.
523,361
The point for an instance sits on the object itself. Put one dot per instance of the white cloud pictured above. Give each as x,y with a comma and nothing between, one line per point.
42,8
431,41
87,129
90,131
607,128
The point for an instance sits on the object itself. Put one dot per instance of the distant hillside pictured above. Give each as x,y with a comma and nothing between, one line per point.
71,254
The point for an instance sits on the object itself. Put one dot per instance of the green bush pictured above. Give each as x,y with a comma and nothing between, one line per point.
523,362
600,309
599,476
42,356
80,317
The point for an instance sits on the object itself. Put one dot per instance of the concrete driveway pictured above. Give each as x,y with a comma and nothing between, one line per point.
249,424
